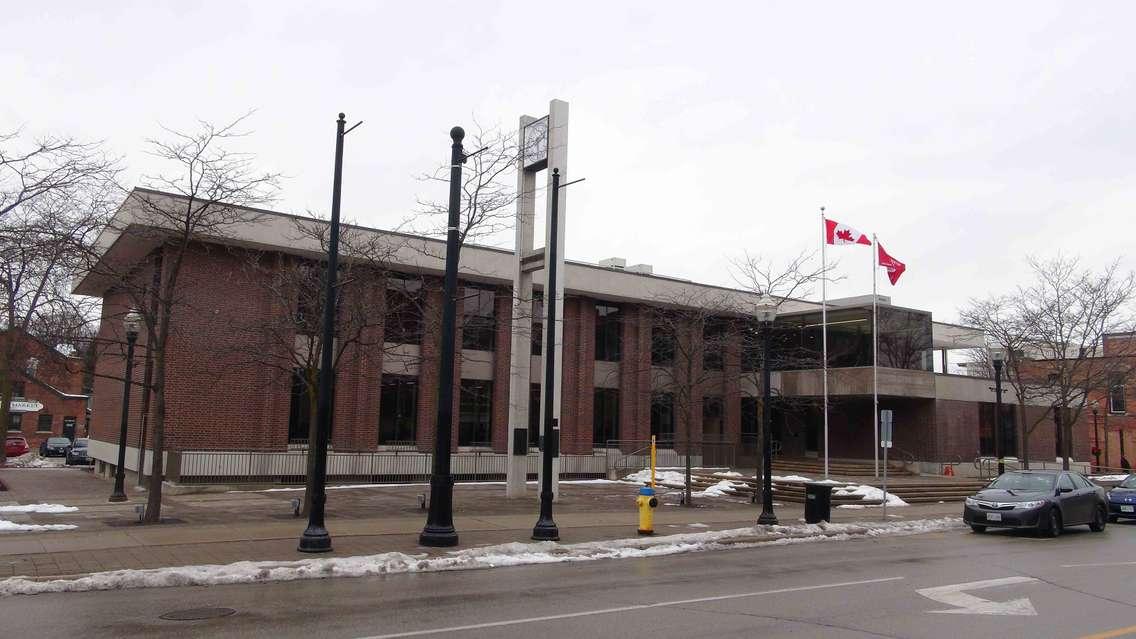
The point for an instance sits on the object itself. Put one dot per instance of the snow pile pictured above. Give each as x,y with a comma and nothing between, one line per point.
511,554
38,508
661,477
11,526
1108,477
720,489
791,478
867,492
28,460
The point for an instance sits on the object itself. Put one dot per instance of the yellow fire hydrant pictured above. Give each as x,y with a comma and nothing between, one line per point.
647,501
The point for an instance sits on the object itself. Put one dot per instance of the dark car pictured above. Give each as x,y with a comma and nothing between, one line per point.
1044,500
77,454
1122,500
54,447
15,445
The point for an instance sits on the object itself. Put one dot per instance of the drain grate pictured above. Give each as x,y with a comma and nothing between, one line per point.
197,614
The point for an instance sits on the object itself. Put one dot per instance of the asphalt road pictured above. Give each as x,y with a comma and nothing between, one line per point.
1081,584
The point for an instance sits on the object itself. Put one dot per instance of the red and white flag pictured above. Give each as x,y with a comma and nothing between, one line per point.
894,267
837,233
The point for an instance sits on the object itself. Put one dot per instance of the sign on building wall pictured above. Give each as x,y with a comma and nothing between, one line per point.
24,406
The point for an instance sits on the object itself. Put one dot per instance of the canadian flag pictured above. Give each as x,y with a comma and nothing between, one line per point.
894,267
837,233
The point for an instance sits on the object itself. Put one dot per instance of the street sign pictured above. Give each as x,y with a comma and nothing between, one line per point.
885,428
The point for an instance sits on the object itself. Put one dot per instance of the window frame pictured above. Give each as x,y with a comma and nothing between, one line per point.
40,422
399,384
479,330
1116,395
657,410
663,345
407,317
605,422
470,399
608,332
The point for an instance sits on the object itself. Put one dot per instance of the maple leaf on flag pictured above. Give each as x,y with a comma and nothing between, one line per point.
844,234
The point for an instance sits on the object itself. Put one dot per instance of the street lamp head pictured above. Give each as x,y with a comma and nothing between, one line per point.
33,365
132,321
1095,405
766,309
997,355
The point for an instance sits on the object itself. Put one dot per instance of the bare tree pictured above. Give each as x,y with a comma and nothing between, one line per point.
58,166
213,186
45,236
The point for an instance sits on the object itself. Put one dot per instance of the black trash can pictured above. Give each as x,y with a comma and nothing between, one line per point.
818,502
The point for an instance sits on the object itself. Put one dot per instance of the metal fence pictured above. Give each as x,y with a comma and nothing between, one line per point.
626,456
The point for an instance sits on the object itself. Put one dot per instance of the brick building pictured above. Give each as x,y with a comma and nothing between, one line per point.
230,416
1111,418
47,391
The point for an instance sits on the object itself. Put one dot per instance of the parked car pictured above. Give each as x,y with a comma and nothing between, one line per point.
54,447
77,453
1122,500
15,445
1044,500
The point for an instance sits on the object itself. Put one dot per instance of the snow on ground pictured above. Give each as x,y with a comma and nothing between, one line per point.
868,492
661,476
510,554
11,526
423,484
37,508
1108,477
29,460
791,478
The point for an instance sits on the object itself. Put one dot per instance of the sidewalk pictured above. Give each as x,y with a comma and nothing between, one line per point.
222,528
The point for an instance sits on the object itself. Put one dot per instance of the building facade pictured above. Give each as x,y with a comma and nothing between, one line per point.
643,355
47,392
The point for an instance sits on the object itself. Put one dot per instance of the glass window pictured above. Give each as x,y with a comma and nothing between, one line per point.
1026,482
1064,483
43,424
662,345
1116,402
751,345
1079,482
713,343
712,415
479,330
398,410
301,409
18,389
404,300
663,417
535,418
15,421
609,338
605,416
537,323
476,412
749,425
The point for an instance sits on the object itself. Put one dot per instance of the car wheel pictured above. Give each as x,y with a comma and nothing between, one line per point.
978,529
1054,527
1099,519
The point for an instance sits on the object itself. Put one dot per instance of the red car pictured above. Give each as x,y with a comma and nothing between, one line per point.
14,446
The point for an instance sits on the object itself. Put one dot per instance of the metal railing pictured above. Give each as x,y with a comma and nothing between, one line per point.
626,456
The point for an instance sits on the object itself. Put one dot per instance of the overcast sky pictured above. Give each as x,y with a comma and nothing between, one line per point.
967,135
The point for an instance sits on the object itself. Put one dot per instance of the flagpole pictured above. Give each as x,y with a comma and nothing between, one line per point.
875,371
824,329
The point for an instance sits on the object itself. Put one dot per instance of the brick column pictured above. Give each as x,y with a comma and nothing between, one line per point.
503,308
731,389
428,368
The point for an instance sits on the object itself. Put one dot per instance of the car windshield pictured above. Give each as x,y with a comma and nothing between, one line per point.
80,443
1024,482
56,441
1129,482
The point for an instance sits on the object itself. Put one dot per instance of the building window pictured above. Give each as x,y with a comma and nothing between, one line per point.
609,337
15,421
663,417
713,344
535,417
1116,402
476,413
479,330
398,409
404,311
662,345
751,349
43,423
537,324
301,408
749,426
605,416
18,389
69,427
712,415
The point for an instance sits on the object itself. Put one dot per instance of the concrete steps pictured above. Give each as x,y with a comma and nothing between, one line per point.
815,467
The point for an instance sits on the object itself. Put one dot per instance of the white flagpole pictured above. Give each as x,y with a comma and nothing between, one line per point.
875,375
824,328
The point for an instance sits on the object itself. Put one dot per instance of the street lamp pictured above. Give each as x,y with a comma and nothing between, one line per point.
131,322
766,312
1096,433
998,358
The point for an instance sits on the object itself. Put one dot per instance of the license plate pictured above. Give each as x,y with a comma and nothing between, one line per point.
993,516
1127,509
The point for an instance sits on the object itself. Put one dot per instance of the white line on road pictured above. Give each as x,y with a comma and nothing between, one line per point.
607,611
1105,563
967,604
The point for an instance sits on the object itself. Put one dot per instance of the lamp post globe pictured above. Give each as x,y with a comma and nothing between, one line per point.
998,359
766,311
131,323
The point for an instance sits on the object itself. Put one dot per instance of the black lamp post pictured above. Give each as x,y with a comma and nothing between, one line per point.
1095,406
998,358
132,322
315,537
766,313
439,530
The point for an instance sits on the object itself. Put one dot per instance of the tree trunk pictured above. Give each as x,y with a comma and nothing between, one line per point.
1067,438
154,496
5,396
1062,445
310,377
1021,411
